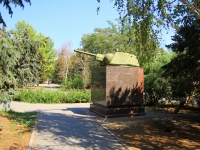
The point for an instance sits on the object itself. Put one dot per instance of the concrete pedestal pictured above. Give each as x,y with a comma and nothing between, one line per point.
117,91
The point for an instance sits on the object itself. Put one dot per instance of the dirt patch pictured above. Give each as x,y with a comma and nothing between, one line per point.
158,130
13,136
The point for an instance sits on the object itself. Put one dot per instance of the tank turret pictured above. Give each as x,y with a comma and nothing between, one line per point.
117,58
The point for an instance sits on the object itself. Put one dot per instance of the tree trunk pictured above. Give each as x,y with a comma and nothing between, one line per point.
181,104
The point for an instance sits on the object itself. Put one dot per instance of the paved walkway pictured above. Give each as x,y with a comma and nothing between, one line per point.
67,127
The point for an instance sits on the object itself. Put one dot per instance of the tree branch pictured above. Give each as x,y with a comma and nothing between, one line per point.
192,8
2,21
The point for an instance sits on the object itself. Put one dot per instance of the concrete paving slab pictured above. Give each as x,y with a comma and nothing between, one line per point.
67,127
70,132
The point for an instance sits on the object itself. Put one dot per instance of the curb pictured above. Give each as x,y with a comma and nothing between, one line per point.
34,130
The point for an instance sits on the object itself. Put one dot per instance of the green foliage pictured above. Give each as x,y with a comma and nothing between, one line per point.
46,96
185,67
80,66
115,38
9,55
38,96
147,19
66,83
77,96
21,59
56,75
27,68
76,83
46,54
62,64
26,118
73,71
157,86
49,54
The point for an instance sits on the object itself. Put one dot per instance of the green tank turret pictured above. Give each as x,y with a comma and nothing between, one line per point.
117,59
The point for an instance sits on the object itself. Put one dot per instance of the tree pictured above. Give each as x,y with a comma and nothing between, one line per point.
155,85
18,65
46,50
148,18
80,65
72,68
9,55
41,61
27,68
7,4
114,38
62,63
185,67
49,55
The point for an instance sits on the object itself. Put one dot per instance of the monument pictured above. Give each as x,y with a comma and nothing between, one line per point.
117,85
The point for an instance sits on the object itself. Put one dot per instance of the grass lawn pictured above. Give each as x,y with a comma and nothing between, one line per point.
16,129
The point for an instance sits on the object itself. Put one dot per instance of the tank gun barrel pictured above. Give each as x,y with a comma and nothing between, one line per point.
85,53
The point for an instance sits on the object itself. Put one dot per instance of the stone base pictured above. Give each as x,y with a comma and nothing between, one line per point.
117,86
108,112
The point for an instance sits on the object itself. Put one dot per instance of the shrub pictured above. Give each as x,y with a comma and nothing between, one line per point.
77,82
49,96
76,96
66,83
37,96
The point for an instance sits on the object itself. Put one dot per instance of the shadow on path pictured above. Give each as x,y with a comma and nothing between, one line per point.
71,132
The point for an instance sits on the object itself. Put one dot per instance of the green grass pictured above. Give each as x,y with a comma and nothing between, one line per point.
52,97
25,118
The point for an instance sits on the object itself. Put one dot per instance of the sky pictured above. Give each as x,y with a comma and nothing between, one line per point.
65,21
